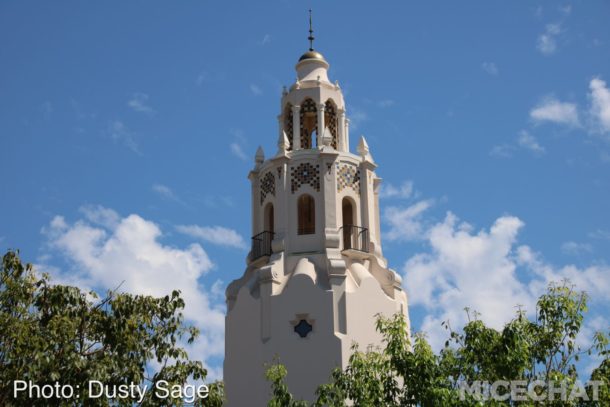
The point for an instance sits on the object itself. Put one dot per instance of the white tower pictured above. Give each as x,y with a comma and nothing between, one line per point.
316,276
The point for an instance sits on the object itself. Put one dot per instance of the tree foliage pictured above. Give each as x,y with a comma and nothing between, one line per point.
56,333
407,372
281,396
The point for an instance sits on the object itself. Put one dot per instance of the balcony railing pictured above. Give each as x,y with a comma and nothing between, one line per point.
261,244
355,238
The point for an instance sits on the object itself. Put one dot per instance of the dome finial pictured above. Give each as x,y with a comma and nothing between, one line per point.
311,37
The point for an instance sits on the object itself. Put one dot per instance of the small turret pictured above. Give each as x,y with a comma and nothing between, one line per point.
363,150
259,157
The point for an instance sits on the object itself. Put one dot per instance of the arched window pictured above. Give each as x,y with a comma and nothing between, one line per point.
307,215
347,210
309,122
288,123
330,120
269,218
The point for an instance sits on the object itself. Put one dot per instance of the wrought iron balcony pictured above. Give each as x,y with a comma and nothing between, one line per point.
355,238
261,244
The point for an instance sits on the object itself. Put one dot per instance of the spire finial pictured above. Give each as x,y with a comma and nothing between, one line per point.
311,37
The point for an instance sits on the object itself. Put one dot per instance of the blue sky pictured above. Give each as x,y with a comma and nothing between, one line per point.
128,130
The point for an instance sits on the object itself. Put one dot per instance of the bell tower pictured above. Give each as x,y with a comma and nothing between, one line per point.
315,276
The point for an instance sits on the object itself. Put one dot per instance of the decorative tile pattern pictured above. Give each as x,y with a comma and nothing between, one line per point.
348,175
303,174
330,121
267,186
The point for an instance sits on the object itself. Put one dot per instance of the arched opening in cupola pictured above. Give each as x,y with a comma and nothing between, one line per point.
309,123
306,208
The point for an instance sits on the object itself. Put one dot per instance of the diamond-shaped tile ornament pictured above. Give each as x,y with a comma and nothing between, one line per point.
348,175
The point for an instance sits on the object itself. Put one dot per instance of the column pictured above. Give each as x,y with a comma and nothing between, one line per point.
320,131
377,237
347,134
340,131
296,127
365,201
280,125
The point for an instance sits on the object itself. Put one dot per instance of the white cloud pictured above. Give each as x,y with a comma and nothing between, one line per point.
491,68
139,103
529,142
479,269
98,215
405,190
203,76
256,91
554,29
237,150
386,103
237,146
567,9
502,151
546,44
595,279
215,201
120,133
600,104
525,140
47,109
547,41
600,234
356,118
217,291
80,111
129,252
265,40
585,337
165,192
551,109
214,234
466,269
575,248
406,223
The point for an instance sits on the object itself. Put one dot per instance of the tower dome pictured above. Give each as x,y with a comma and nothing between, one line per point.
312,67
311,54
